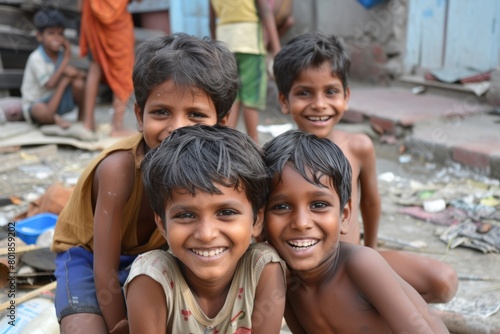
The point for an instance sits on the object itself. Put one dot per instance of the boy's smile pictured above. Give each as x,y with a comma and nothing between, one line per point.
209,233
303,221
169,107
316,101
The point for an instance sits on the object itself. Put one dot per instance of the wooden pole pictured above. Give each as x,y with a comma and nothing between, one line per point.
29,295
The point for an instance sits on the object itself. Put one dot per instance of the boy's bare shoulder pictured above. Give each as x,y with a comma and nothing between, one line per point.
116,165
359,260
357,143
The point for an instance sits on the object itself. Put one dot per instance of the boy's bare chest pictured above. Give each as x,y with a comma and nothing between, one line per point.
339,309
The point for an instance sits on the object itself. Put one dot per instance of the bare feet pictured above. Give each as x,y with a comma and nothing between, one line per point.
58,120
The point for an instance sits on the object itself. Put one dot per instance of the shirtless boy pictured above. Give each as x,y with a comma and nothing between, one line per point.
333,286
311,72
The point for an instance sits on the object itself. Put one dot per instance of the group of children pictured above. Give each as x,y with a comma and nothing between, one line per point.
173,213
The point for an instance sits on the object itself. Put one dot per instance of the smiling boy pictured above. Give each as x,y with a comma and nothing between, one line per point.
179,80
333,286
207,186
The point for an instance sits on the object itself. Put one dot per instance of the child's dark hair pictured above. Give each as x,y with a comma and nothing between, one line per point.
312,157
190,62
194,158
310,50
48,18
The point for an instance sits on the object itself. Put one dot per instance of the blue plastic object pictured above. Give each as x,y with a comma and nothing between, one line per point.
29,229
370,3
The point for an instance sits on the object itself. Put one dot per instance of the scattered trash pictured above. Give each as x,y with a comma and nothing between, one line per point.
405,158
275,129
470,235
436,205
29,229
418,90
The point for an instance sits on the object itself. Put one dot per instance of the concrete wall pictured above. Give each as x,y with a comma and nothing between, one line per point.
376,37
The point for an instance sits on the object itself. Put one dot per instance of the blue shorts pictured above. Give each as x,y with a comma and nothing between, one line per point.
66,105
75,291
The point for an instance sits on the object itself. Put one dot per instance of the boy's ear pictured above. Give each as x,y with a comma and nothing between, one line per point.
138,116
347,96
160,226
224,120
258,226
345,217
285,106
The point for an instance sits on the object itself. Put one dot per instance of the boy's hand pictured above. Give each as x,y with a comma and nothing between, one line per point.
67,48
71,71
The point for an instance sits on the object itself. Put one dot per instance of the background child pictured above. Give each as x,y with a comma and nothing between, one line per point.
179,80
50,85
207,186
334,286
311,73
107,37
240,25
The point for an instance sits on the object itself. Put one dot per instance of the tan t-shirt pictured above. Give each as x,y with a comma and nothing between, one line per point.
184,313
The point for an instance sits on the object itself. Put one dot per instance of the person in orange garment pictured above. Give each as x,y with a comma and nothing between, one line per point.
107,37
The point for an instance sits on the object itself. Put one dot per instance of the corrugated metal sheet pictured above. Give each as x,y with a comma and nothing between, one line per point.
453,34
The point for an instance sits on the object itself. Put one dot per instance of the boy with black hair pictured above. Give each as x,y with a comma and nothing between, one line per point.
179,80
311,72
207,186
51,86
333,286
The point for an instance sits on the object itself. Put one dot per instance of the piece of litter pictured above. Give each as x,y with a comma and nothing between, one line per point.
436,205
275,129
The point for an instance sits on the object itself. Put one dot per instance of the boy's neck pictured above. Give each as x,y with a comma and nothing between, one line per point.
210,296
54,56
320,275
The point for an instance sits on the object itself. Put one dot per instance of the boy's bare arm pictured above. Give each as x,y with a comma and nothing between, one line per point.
403,312
267,17
59,72
269,302
291,320
114,181
146,306
369,201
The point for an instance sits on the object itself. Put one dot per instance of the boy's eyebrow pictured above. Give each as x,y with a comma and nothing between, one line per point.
318,192
278,197
184,207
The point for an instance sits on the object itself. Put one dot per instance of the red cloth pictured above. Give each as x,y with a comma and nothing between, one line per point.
108,31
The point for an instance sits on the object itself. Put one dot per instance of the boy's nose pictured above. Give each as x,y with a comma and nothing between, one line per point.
176,123
319,103
301,220
206,230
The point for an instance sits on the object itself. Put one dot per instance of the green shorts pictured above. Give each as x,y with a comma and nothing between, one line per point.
253,77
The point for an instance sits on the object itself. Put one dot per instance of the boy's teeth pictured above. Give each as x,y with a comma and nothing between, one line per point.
318,118
208,253
303,243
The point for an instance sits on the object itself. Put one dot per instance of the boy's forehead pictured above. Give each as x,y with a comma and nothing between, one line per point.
325,67
294,174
